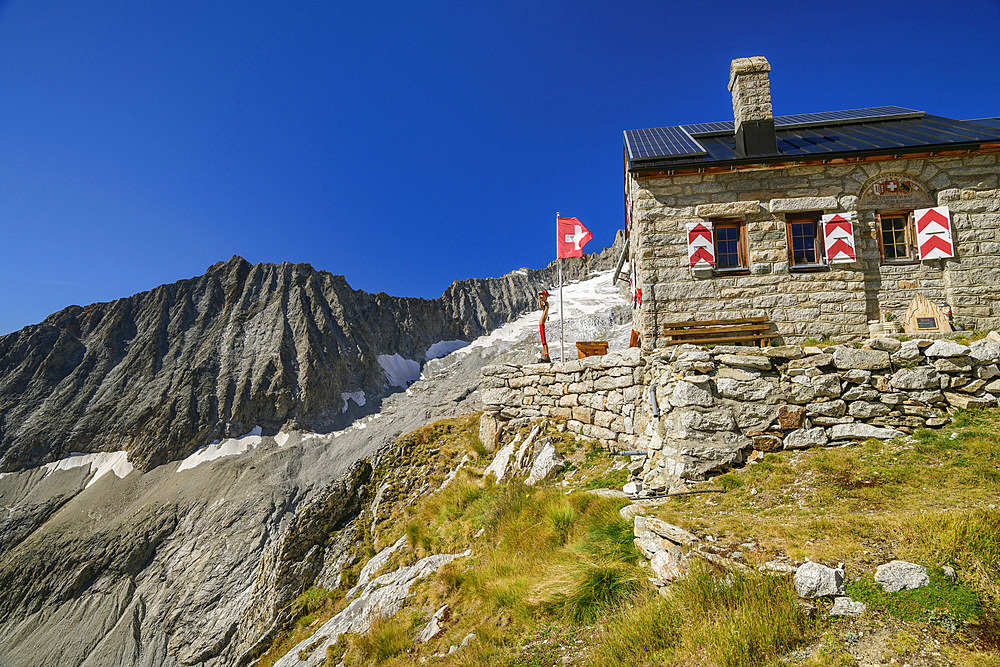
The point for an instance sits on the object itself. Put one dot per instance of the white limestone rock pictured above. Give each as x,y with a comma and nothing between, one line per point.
433,627
899,575
547,462
946,348
861,431
381,598
922,377
845,606
889,345
846,358
813,580
691,393
806,437
501,462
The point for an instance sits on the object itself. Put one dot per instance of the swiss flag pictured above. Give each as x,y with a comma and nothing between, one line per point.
571,236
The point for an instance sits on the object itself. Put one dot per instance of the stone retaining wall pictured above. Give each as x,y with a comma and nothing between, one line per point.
598,396
727,405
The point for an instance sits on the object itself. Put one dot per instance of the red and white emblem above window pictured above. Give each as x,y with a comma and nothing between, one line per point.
838,238
701,245
934,240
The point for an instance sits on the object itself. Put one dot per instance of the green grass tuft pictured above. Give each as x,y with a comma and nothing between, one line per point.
597,588
941,599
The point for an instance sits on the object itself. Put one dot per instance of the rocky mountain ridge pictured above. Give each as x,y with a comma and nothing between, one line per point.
191,562
163,372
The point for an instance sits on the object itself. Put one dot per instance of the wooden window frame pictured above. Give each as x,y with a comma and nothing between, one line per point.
741,245
815,218
910,232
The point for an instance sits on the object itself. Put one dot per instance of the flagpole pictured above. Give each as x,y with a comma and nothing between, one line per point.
562,320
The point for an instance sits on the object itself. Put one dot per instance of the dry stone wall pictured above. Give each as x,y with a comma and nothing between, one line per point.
597,396
721,407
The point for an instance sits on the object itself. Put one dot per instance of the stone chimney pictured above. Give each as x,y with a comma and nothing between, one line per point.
752,106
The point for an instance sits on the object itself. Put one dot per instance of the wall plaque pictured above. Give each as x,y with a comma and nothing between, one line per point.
889,191
923,316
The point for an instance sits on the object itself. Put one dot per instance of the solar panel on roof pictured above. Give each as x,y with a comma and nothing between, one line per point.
986,122
725,126
813,119
834,117
661,141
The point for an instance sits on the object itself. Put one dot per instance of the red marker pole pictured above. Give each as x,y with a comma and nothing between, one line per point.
562,328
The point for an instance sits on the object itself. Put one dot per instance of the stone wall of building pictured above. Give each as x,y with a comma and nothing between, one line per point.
597,396
717,408
838,301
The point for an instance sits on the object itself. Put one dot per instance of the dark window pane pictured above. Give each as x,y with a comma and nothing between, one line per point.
727,247
803,242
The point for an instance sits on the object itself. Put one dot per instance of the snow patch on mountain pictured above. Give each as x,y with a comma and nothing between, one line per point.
399,371
443,348
100,464
218,450
356,396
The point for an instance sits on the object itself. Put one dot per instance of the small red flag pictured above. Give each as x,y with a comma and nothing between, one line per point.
571,236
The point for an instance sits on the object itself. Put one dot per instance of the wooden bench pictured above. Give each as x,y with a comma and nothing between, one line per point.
702,332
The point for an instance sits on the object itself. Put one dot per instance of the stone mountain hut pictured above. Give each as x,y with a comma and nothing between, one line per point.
822,223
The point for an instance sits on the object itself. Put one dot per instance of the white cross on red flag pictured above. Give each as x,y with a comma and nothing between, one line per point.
571,236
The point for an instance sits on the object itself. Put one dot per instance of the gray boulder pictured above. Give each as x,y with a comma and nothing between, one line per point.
859,431
669,531
946,348
900,575
691,393
753,390
754,361
826,385
846,358
806,437
813,580
547,462
845,606
922,377
985,351
889,345
909,353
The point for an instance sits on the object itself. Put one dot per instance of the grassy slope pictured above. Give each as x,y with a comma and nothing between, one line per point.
554,573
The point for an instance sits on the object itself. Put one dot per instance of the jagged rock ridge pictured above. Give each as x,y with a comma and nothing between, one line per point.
163,372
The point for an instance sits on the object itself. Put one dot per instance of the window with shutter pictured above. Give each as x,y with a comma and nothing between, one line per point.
896,236
805,241
730,245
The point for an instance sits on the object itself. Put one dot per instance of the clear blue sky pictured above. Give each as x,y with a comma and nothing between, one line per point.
405,144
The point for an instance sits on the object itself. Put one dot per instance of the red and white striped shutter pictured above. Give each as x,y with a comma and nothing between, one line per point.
934,240
701,245
838,238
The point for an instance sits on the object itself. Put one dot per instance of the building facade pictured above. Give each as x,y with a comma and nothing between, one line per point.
824,223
